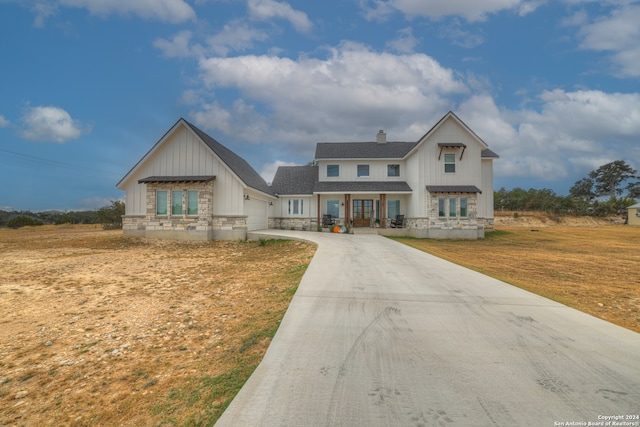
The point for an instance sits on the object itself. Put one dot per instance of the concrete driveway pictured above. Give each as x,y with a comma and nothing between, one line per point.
380,334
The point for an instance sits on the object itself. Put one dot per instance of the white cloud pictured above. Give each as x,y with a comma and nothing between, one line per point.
264,10
476,10
174,11
571,133
50,124
4,122
177,47
618,33
405,42
235,36
42,11
300,100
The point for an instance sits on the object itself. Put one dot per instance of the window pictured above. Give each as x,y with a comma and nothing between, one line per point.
452,207
449,163
363,170
333,208
463,207
295,207
441,207
333,170
161,202
176,202
192,202
393,170
393,208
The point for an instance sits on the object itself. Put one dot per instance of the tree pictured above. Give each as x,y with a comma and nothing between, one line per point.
583,190
609,178
111,216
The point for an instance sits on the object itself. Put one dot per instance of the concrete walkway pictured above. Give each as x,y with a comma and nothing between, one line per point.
380,334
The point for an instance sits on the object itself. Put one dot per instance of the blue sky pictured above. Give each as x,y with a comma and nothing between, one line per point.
88,86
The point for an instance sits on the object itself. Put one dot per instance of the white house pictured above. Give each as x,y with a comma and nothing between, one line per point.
190,186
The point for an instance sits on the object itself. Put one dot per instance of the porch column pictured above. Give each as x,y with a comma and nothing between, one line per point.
319,223
347,209
383,211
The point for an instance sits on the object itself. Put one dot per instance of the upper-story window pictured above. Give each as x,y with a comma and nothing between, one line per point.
363,170
450,163
393,170
333,170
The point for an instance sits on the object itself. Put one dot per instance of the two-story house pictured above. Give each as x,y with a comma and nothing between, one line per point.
189,186
442,185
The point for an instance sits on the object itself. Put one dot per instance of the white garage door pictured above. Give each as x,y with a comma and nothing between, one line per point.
257,214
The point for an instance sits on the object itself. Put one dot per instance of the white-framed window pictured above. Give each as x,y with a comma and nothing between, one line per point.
442,202
295,207
333,170
363,171
463,207
453,202
176,202
449,163
333,208
393,208
192,202
393,170
161,202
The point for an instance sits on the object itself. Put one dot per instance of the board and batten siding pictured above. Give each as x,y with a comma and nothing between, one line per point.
184,154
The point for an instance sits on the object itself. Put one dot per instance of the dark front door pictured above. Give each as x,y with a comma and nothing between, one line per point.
362,212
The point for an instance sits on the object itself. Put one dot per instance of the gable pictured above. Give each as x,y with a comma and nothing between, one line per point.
186,150
451,130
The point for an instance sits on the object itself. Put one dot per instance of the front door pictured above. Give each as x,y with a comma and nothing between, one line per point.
362,212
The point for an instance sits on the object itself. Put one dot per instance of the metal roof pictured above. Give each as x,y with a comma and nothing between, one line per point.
176,179
453,189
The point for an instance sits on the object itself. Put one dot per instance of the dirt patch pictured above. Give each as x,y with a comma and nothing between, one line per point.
541,219
99,329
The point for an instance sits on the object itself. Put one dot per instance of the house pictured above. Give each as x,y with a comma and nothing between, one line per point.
633,214
190,186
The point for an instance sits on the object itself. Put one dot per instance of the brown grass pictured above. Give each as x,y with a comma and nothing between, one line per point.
594,269
100,330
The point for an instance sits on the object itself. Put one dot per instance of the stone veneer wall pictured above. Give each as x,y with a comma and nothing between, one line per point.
300,224
203,226
436,227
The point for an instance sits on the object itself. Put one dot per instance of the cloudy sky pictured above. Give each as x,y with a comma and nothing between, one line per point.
88,86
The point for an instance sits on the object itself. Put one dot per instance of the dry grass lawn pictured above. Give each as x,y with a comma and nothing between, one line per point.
594,268
101,330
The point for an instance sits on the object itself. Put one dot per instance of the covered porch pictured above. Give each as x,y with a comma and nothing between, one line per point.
362,204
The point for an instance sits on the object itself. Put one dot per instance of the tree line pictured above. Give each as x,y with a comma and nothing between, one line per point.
109,217
608,190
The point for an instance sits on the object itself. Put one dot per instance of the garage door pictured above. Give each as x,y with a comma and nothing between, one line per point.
256,211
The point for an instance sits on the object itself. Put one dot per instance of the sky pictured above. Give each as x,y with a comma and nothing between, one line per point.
87,87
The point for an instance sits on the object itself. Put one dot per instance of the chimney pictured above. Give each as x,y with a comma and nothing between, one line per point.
381,137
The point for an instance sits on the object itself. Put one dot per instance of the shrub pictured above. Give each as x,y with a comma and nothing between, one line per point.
23,221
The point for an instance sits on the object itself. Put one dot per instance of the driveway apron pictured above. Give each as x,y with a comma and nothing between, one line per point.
381,334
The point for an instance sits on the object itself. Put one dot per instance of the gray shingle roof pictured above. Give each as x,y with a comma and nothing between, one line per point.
362,186
453,189
294,180
237,164
486,153
363,150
